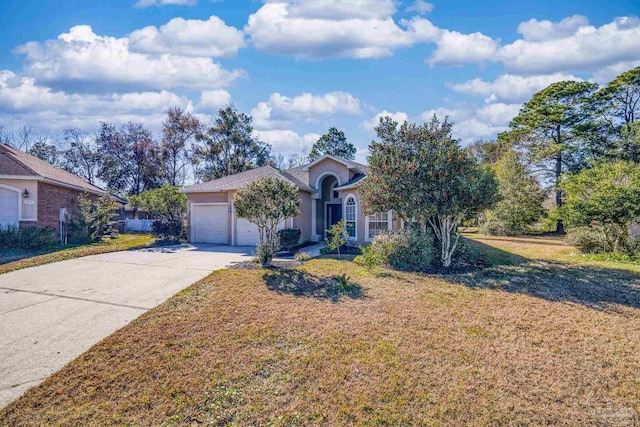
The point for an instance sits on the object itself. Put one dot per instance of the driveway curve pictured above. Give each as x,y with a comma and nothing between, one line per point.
52,313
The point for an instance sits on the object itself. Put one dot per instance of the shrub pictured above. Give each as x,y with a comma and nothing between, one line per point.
167,207
27,238
409,250
302,256
289,238
491,225
93,219
266,251
588,240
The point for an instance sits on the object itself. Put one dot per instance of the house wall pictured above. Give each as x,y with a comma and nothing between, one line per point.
51,198
28,211
328,165
303,221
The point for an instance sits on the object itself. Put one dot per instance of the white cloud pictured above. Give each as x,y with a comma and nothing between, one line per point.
148,3
398,116
192,37
605,74
280,110
286,141
454,48
420,6
212,100
23,101
498,114
509,87
471,124
587,49
339,9
83,61
535,30
323,29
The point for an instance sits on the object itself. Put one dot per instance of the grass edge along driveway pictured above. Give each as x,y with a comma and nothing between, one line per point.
121,243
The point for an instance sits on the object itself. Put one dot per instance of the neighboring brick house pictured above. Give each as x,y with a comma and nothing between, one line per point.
328,192
32,192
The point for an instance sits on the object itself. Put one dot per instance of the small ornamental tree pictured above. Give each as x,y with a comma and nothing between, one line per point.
422,173
266,202
605,198
336,236
93,218
167,207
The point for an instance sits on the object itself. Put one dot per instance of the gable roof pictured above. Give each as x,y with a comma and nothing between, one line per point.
348,163
16,163
233,182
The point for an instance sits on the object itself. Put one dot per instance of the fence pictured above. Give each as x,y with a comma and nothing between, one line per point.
138,225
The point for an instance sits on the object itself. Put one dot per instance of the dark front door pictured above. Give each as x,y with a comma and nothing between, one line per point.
334,214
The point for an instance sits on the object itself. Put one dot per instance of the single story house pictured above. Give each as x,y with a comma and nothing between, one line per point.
33,192
328,192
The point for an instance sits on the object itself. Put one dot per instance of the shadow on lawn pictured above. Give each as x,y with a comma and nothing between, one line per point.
303,284
588,285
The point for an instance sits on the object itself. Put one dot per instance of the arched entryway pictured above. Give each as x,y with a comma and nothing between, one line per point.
328,204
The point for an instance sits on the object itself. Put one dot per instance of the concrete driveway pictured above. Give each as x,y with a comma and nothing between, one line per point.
51,314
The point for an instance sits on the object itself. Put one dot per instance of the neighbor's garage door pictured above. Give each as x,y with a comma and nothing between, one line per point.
247,233
8,207
210,223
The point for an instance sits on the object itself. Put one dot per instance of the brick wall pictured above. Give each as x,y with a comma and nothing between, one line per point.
51,199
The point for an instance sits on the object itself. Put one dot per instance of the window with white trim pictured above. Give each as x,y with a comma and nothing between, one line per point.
378,223
350,215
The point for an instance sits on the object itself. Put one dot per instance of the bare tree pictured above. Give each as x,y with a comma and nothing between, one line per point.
300,158
177,130
80,155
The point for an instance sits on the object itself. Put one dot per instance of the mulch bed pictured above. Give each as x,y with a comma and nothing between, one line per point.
251,265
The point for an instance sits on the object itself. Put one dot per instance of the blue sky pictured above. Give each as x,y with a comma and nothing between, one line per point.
300,66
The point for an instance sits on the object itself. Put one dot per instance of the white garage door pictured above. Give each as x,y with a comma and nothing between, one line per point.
247,232
210,223
8,207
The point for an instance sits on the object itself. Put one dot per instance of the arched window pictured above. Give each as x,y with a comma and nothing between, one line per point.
350,216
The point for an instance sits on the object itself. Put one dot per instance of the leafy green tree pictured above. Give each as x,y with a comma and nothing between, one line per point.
130,161
520,194
178,129
334,143
229,146
620,99
489,152
93,218
422,173
546,126
167,207
266,202
606,198
337,236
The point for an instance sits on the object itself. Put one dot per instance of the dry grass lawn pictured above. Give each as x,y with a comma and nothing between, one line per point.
531,342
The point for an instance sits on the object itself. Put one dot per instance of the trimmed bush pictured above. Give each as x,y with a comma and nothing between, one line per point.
27,238
289,238
408,250
588,240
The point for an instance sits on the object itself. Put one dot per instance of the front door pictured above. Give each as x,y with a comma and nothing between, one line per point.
334,214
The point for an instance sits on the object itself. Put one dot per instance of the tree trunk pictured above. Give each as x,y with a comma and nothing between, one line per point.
558,174
444,226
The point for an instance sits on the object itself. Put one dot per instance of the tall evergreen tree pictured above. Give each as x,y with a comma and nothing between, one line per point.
229,146
334,143
546,126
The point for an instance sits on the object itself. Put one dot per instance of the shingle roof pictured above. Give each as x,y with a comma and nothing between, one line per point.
233,182
18,163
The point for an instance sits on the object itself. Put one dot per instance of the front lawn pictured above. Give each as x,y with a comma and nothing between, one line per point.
527,342
11,260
